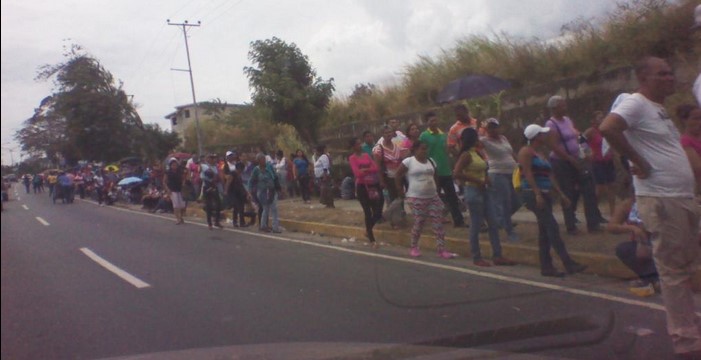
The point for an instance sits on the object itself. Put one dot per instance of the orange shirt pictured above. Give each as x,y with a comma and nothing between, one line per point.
456,130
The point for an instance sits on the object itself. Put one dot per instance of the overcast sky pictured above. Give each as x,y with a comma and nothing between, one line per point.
352,41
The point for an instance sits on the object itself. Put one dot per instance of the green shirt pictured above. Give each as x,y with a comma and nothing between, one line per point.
437,150
367,148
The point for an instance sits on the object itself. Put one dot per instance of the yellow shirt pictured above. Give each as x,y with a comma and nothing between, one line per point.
476,169
52,179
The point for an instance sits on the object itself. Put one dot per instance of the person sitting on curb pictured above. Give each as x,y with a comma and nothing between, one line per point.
636,253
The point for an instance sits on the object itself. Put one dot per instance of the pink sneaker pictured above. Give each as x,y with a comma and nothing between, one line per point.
414,252
445,254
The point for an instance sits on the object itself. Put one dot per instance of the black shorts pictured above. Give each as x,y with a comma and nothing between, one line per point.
604,172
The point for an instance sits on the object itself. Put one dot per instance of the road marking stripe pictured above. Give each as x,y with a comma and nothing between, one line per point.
25,207
42,221
114,269
515,280
18,199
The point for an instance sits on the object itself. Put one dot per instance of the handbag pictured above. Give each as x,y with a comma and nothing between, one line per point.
516,178
373,192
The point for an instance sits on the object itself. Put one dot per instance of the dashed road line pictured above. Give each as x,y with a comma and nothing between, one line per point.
25,207
131,279
42,221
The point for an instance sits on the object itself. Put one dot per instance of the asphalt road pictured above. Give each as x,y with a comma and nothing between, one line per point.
187,292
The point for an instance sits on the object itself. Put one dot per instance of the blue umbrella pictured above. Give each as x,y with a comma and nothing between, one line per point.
470,87
129,181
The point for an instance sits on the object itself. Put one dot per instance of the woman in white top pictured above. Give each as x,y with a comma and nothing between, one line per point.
502,162
281,171
422,197
322,173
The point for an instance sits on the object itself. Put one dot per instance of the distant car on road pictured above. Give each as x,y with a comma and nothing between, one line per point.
10,177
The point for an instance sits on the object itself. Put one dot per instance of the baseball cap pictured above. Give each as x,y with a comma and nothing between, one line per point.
533,130
491,121
229,153
172,159
697,18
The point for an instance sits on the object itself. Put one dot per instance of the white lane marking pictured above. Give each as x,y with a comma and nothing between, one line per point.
42,221
515,280
18,199
115,270
25,207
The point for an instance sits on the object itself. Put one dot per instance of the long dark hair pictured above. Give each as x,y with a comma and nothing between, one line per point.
303,155
468,139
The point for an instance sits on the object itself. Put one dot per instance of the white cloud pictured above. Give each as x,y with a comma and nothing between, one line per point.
353,41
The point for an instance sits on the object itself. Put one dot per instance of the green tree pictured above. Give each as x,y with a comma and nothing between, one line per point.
88,116
284,82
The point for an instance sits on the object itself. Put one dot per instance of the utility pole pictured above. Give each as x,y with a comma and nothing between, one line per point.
185,27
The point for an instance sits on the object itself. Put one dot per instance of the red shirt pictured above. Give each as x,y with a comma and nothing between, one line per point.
595,141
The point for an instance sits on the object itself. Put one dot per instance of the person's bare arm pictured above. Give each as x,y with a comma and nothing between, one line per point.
612,129
695,162
558,148
399,177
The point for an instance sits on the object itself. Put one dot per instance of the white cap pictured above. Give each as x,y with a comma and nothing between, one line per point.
533,130
697,18
229,153
491,121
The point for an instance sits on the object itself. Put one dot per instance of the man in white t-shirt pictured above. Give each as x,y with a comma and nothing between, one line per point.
640,129
399,136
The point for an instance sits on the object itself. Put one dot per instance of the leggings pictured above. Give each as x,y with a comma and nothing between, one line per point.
372,208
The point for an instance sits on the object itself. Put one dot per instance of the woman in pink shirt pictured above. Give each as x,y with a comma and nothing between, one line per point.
690,116
367,186
412,135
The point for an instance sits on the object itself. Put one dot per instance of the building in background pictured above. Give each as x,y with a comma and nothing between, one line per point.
184,115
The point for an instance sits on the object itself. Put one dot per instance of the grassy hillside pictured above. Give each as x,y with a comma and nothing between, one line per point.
589,52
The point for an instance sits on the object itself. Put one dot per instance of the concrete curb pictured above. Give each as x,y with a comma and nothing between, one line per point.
602,265
599,264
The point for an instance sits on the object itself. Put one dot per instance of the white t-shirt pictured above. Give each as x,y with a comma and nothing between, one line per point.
420,178
398,138
654,136
320,164
697,89
500,155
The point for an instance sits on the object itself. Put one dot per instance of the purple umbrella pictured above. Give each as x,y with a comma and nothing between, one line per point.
470,87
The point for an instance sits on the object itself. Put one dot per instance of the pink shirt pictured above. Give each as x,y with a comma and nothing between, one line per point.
365,170
691,142
392,157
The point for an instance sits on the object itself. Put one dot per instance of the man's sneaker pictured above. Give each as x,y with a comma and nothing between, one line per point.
482,263
414,252
445,254
502,261
573,231
552,273
641,288
574,268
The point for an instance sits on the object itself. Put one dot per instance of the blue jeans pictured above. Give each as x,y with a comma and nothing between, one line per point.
505,200
548,231
269,206
481,207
